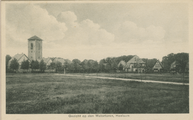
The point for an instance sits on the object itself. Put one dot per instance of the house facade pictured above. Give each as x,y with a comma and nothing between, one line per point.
135,64
157,67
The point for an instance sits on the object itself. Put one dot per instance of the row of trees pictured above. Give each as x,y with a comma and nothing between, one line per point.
108,64
25,65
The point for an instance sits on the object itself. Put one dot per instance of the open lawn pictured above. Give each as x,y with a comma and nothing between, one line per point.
50,93
142,76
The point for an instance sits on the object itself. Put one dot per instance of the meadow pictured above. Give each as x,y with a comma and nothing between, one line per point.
60,94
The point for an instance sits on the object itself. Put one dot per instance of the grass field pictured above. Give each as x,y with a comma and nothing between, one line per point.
142,76
49,93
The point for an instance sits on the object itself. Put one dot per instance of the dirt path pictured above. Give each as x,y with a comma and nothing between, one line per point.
113,78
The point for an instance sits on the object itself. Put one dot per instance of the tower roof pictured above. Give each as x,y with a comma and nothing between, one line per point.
35,38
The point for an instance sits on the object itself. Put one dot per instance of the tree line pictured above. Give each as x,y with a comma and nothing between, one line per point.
182,60
109,64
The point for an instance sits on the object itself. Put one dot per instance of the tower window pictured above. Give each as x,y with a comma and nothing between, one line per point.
39,46
32,46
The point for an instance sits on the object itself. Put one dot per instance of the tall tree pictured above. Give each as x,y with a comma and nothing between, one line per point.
42,66
102,65
52,65
25,65
58,66
66,65
168,60
76,65
14,64
34,65
182,59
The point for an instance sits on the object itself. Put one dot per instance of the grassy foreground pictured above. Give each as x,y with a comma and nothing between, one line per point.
49,93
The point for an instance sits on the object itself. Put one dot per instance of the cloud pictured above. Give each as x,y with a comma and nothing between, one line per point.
67,17
24,21
85,32
129,32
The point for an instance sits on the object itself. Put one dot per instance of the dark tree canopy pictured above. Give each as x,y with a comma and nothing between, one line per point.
58,66
25,65
42,66
181,58
34,64
14,64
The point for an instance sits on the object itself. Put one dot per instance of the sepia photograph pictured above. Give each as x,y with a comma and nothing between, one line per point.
95,59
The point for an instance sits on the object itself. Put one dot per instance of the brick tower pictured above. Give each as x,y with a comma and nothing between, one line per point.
35,48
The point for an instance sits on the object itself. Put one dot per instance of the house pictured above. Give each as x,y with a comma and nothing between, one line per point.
157,67
121,65
174,66
20,58
135,64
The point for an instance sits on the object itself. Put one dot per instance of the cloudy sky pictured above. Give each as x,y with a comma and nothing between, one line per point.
98,30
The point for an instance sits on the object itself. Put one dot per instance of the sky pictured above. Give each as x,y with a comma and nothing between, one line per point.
98,30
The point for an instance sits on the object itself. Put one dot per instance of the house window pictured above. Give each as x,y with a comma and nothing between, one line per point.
32,46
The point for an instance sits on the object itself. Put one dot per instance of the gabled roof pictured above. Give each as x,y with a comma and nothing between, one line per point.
122,63
46,60
159,64
35,38
173,64
135,59
19,56
59,60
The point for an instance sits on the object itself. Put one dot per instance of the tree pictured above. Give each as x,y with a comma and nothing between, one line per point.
168,60
95,66
34,65
52,65
8,57
76,65
85,66
25,65
182,59
14,64
102,65
42,66
66,65
58,66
